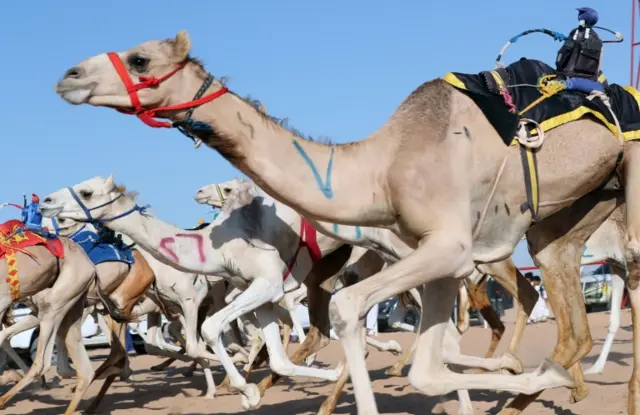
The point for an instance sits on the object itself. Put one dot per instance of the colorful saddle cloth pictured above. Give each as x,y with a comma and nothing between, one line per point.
14,237
103,247
521,79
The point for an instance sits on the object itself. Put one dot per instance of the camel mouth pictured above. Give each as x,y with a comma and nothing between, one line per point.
208,200
74,93
49,211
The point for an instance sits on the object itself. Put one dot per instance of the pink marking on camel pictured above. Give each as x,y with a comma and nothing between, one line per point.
164,244
200,241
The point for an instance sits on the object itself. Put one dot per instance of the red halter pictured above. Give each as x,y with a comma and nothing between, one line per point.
147,115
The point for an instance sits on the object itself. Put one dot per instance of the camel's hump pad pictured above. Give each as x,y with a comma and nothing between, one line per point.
521,78
100,251
14,236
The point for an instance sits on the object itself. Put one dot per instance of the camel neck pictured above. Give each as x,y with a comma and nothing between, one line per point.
338,183
187,250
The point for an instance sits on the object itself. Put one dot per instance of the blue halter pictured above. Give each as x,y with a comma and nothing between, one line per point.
87,211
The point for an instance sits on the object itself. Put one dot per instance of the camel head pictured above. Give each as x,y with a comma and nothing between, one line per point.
63,226
161,70
216,194
92,200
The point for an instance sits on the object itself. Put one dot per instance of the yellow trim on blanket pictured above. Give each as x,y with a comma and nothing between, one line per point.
453,80
578,113
570,116
602,79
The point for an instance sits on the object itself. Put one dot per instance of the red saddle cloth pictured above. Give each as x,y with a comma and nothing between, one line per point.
14,237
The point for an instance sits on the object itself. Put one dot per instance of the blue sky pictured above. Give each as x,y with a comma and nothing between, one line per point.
333,68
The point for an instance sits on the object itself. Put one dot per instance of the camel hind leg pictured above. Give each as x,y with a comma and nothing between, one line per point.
50,320
618,275
556,246
71,331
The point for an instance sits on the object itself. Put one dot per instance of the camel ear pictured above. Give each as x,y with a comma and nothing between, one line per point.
108,184
181,45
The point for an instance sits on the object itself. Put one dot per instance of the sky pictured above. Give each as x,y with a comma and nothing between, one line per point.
334,68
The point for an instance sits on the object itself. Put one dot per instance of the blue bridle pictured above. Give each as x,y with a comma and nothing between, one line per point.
87,211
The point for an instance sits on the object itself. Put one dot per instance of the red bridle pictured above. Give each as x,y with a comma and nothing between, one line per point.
147,115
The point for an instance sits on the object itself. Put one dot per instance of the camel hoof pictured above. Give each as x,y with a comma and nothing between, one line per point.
394,347
67,374
309,360
554,375
394,371
125,374
579,394
250,397
512,364
594,370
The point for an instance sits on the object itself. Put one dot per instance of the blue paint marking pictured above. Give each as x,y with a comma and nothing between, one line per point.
583,252
358,233
335,228
326,186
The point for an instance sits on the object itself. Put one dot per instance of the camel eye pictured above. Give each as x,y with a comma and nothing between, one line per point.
86,194
138,63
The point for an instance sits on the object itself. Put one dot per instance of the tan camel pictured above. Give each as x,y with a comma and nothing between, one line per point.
56,287
120,286
373,183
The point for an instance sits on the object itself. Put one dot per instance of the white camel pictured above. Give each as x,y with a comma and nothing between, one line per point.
246,227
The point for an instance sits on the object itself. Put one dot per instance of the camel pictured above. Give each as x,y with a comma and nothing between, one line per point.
52,277
251,209
391,249
119,285
373,183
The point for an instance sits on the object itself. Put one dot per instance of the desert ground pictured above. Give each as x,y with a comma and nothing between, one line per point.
170,392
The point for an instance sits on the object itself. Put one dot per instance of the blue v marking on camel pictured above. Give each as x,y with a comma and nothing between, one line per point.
358,231
326,186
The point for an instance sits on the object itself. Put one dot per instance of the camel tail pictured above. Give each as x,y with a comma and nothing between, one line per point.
114,310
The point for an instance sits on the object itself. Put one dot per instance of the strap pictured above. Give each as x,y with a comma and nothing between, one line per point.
530,167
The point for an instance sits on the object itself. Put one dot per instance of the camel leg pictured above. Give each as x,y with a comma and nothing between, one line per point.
50,320
437,258
317,337
480,301
618,275
71,332
115,364
396,369
193,343
464,317
290,299
559,264
508,275
388,346
30,321
633,286
6,346
63,367
277,356
257,296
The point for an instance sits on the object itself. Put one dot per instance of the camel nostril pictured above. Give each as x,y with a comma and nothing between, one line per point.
47,200
75,72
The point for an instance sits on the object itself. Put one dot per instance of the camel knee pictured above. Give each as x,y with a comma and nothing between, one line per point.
344,312
281,367
431,384
211,330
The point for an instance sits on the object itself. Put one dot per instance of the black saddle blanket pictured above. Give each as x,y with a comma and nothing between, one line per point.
559,109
